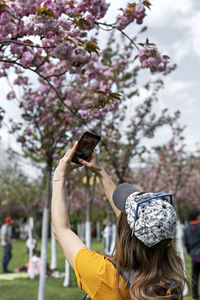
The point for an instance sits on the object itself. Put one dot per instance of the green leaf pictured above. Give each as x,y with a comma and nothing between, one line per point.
100,92
92,47
34,135
44,11
37,8
66,38
3,4
131,5
144,28
115,96
133,93
147,86
70,3
77,16
166,56
147,4
83,24
28,42
130,12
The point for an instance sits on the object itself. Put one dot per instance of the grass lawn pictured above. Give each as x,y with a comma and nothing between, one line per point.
26,289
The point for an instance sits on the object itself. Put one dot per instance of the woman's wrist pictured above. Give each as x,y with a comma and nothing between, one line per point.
101,172
58,179
58,175
58,183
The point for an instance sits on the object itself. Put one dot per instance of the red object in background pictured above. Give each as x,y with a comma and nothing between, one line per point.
9,220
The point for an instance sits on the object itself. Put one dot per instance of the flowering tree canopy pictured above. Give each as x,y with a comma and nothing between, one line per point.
121,148
173,170
47,125
58,38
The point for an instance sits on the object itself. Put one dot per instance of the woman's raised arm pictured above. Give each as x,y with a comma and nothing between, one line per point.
68,240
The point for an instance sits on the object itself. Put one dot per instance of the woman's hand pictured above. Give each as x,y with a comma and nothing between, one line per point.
64,167
93,164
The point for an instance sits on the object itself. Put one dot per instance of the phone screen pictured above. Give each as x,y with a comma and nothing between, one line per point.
86,145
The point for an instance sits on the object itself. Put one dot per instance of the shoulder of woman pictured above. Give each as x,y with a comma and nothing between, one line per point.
89,258
90,269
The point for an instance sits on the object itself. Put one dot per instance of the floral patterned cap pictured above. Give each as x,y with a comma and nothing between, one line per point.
156,218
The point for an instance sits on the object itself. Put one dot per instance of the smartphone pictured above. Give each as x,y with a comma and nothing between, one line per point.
86,145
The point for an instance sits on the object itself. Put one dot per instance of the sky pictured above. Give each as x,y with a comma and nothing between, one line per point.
174,25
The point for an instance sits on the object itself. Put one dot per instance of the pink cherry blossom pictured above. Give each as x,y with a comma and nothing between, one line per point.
27,58
11,95
151,58
58,40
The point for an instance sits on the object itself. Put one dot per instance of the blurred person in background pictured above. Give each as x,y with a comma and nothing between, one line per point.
192,244
107,235
36,265
6,243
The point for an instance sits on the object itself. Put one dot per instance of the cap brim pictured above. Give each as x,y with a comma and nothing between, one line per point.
121,193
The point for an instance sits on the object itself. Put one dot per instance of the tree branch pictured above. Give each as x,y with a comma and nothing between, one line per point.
112,26
11,13
49,83
5,42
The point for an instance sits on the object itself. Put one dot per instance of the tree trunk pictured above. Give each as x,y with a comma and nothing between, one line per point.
30,237
98,231
44,243
106,239
91,190
67,274
53,265
112,247
81,231
88,232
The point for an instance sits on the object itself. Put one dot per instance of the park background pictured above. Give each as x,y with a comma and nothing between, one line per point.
158,150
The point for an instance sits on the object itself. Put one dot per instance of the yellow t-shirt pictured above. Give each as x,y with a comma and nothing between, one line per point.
96,276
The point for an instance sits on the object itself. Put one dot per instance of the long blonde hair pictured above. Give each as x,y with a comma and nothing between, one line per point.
158,265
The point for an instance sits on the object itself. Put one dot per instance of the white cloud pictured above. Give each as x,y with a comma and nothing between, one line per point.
177,16
177,86
191,26
163,12
180,49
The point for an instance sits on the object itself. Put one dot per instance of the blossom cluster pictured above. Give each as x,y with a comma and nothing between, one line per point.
52,39
60,28
133,12
152,59
96,8
99,113
89,94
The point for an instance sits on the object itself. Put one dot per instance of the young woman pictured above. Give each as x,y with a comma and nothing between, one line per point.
145,265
